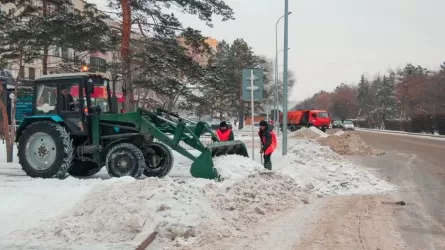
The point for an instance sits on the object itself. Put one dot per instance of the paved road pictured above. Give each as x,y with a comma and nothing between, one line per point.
417,166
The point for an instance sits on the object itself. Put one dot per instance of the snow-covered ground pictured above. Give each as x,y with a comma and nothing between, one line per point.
108,213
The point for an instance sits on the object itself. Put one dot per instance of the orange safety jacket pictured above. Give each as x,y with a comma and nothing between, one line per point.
268,141
224,135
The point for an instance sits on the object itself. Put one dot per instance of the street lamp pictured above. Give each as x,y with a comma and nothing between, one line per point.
276,71
286,42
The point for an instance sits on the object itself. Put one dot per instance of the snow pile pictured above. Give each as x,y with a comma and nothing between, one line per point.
180,211
321,170
39,199
262,193
349,144
338,133
319,132
187,212
310,133
235,167
118,212
341,142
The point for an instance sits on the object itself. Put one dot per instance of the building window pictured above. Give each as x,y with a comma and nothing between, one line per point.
32,73
22,72
98,64
65,54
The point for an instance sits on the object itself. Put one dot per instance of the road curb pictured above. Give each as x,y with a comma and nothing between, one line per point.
400,132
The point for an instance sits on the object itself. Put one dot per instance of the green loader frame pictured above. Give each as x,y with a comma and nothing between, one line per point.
65,135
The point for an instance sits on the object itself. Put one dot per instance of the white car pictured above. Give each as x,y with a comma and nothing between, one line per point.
348,125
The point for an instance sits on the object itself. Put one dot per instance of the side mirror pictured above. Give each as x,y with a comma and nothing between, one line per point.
90,87
114,105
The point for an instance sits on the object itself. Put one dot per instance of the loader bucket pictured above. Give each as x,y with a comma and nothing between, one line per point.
203,166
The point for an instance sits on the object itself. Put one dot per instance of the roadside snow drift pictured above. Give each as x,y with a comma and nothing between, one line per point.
185,212
181,212
349,144
321,170
343,143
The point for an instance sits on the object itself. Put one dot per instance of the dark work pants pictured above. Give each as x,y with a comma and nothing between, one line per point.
267,162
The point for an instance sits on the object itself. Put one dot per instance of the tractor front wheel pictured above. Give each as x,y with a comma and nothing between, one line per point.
45,150
84,168
125,159
158,159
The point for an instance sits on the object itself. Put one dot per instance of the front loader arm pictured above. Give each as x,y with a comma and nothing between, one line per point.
180,133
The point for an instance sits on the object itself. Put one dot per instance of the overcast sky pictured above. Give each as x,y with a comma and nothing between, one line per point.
334,41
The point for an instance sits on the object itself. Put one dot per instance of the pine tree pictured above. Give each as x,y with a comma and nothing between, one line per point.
363,95
386,99
154,20
163,65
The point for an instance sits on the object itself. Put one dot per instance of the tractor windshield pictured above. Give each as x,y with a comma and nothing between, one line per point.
46,98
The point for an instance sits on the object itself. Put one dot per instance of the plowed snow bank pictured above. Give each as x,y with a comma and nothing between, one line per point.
320,169
188,212
310,133
349,144
340,142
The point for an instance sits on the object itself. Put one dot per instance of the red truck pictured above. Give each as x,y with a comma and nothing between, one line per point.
306,118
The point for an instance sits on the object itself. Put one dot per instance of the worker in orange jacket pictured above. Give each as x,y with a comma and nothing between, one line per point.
268,142
224,133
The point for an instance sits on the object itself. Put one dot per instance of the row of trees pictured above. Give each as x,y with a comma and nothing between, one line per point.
401,94
222,91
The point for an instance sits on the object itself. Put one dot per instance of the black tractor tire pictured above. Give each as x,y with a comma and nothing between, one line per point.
45,141
323,129
81,168
125,159
158,159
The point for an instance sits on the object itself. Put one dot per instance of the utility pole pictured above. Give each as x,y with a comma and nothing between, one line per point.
276,117
286,52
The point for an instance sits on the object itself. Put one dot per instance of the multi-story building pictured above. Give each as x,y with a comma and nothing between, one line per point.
58,56
61,59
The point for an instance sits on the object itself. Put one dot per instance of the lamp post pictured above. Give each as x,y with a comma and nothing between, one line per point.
276,72
286,42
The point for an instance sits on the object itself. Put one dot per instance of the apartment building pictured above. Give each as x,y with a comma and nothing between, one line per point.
58,56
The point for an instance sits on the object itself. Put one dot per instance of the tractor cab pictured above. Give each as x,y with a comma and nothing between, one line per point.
68,98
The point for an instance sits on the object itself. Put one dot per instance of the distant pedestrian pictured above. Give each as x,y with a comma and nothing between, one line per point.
235,121
224,133
268,142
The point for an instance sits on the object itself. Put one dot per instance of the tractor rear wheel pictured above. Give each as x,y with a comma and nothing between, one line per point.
125,159
84,168
45,150
158,159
